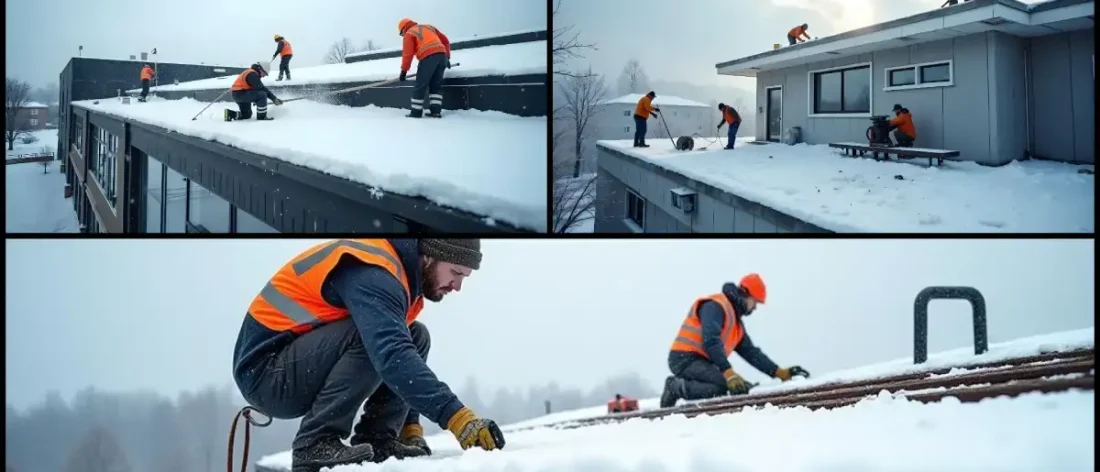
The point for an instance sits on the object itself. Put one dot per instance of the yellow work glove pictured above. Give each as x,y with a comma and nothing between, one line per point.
472,431
785,373
413,435
735,383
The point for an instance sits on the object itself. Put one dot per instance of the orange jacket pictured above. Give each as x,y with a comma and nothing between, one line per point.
797,31
242,81
730,115
146,73
690,337
904,122
292,300
286,50
422,41
645,107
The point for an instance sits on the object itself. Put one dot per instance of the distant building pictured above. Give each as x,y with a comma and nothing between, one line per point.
31,116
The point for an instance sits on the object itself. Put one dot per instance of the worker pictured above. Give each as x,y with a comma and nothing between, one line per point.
337,326
433,54
617,405
283,49
732,118
949,3
712,330
248,89
147,75
905,133
641,113
796,34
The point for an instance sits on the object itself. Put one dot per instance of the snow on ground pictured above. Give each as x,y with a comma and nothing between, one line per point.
35,201
485,162
819,185
576,197
884,433
509,59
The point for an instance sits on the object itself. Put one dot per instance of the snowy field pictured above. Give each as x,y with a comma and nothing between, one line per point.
509,59
35,201
885,433
819,185
444,160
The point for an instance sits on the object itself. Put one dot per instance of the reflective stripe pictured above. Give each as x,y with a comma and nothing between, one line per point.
417,106
287,306
312,260
693,329
689,342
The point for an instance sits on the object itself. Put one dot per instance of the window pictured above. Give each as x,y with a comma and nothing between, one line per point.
175,202
34,112
246,223
105,161
207,211
154,196
34,122
626,112
842,91
626,128
635,209
929,74
78,135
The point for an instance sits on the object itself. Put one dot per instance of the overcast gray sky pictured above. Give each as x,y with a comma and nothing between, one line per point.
164,315
682,40
41,35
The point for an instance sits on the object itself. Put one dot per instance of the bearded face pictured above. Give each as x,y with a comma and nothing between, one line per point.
441,278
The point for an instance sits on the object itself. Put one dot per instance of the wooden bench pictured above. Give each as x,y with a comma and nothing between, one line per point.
858,150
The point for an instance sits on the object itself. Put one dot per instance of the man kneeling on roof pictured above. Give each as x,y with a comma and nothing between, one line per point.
248,89
711,332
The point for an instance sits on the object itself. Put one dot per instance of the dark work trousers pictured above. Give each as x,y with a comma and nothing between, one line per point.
701,378
791,39
639,130
429,81
385,413
245,99
903,139
144,88
284,66
731,134
324,376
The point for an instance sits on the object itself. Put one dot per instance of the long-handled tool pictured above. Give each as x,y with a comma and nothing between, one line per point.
211,103
358,87
661,115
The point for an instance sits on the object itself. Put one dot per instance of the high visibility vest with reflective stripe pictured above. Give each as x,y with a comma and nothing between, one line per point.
146,73
242,83
292,300
427,41
287,50
690,337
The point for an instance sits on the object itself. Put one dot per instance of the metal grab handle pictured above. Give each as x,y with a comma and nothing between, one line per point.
920,317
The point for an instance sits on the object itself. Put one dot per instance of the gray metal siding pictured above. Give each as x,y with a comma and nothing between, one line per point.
1063,111
1008,107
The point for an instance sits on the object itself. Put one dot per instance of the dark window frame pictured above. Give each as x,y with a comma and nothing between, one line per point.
635,211
918,75
199,227
151,161
815,92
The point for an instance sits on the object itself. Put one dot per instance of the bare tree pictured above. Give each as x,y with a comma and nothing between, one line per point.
339,50
633,78
567,46
16,96
98,451
583,94
574,202
369,46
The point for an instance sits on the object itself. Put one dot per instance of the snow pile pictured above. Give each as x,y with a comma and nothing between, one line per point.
509,59
444,160
817,184
661,100
35,201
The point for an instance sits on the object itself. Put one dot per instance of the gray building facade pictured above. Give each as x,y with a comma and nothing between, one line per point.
996,80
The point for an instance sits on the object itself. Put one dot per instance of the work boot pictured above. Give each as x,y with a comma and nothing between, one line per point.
386,446
643,145
671,392
434,115
415,113
230,115
263,117
329,452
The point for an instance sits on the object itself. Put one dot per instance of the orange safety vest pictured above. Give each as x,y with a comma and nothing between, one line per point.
146,73
645,106
690,337
287,50
292,301
729,116
425,40
904,122
241,83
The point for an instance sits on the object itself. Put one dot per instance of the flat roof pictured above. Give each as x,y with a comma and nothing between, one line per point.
632,99
975,16
454,43
820,186
509,59
483,162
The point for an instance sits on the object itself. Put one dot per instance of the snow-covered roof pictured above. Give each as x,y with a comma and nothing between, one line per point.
34,105
509,59
661,100
816,184
444,160
453,40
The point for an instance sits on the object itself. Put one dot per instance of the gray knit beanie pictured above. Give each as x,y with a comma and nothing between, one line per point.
464,252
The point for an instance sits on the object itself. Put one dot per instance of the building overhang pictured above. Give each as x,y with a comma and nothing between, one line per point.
976,16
